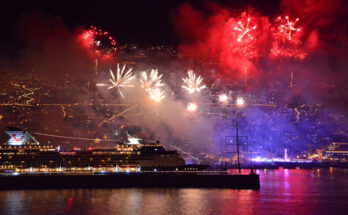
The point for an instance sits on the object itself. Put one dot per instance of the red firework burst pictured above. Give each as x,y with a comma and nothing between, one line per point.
287,41
245,30
245,34
99,42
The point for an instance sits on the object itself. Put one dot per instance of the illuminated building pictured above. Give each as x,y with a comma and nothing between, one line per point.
337,152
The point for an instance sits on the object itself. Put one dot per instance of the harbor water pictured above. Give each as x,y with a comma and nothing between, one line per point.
283,191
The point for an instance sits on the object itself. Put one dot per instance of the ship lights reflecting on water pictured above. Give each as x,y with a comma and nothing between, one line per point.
293,191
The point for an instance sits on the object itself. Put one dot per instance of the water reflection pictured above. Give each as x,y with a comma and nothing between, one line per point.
282,191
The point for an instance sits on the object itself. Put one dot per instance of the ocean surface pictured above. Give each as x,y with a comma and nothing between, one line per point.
283,191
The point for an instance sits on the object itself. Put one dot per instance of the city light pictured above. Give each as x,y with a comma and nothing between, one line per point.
123,79
133,140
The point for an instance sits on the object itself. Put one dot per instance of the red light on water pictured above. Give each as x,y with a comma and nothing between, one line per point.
69,203
76,148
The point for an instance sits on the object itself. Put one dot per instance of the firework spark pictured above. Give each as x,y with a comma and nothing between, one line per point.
192,107
193,83
157,94
240,102
287,39
244,30
223,98
287,27
99,42
151,81
121,80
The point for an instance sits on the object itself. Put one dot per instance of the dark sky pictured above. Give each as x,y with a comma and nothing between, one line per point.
145,22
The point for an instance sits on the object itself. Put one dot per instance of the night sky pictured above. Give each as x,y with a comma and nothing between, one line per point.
135,21
39,38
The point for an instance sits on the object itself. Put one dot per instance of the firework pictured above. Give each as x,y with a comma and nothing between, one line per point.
287,39
156,94
151,81
133,140
287,28
192,107
223,98
99,42
193,83
122,79
240,102
245,29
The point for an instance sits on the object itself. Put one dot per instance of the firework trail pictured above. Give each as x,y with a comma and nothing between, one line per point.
122,79
99,42
193,83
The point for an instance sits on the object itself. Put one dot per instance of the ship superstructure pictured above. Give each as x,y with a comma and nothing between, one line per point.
23,153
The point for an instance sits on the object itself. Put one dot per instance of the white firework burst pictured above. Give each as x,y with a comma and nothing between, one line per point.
157,94
151,81
123,78
193,83
192,107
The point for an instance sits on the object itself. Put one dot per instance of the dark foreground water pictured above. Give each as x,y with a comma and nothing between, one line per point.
323,191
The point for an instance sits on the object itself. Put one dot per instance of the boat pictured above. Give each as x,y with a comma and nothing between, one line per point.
22,153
